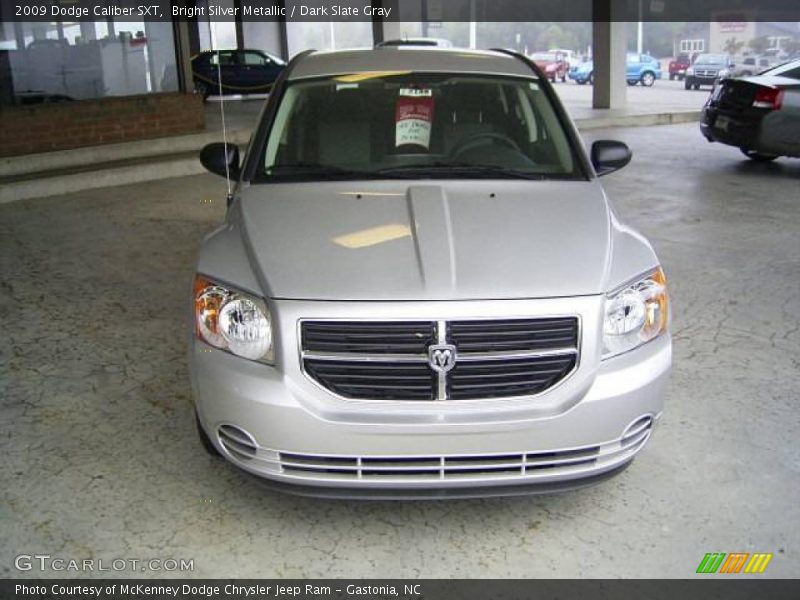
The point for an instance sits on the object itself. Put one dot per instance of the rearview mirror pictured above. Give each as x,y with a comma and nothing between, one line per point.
609,156
221,159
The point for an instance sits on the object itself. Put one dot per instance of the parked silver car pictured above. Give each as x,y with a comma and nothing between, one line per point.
420,288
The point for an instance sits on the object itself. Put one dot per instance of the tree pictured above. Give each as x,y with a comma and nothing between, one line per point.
759,45
733,46
792,47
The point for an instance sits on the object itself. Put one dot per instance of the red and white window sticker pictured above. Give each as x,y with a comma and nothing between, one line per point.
414,117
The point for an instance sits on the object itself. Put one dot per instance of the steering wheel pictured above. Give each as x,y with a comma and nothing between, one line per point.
481,139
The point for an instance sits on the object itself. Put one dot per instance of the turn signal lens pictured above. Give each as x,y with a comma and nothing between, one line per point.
635,314
232,320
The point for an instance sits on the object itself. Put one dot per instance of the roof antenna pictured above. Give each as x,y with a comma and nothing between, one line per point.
229,197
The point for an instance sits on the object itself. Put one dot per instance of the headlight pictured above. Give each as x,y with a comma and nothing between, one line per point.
232,320
690,71
635,314
724,73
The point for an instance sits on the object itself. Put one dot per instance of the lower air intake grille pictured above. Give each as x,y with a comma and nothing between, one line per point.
237,442
436,467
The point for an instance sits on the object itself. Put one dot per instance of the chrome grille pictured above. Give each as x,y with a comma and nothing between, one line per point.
706,73
367,337
379,380
509,377
513,334
501,358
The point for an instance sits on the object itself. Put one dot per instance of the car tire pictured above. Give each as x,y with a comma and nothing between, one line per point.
580,81
632,82
687,85
672,76
591,79
563,79
758,156
648,78
205,441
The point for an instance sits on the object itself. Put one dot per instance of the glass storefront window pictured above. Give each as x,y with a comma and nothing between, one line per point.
328,36
216,34
63,61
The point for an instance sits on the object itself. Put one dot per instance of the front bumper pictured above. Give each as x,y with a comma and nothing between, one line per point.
276,423
578,76
702,79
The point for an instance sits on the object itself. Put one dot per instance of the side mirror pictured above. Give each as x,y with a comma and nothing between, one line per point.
221,159
609,156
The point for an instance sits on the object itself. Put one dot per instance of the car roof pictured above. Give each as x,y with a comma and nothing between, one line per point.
409,58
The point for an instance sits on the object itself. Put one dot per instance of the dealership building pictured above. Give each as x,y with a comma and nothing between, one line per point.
119,77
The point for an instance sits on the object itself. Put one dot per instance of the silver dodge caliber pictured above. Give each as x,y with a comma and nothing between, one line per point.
420,288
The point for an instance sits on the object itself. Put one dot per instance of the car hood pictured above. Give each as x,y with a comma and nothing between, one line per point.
438,240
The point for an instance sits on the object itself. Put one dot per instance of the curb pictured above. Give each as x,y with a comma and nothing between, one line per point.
643,120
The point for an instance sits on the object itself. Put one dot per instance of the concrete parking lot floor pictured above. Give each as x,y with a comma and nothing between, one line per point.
100,457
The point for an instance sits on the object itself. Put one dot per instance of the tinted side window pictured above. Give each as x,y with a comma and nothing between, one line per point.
222,58
792,73
253,58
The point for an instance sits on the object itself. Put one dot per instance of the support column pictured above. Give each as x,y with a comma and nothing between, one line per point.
237,5
609,48
184,62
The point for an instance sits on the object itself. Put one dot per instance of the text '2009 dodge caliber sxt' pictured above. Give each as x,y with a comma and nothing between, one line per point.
421,289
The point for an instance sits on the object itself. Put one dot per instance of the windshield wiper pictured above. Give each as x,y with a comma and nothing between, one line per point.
320,171
461,170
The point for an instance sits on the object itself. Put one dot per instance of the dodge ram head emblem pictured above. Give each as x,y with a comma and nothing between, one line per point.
442,357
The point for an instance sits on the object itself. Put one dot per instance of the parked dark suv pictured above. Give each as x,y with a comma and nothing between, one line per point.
708,69
240,71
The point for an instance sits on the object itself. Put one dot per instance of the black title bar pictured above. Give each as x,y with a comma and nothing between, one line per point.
713,587
405,10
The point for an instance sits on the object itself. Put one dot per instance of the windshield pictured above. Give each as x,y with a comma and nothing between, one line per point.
710,59
416,125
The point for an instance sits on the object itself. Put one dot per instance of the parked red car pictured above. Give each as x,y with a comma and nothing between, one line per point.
677,67
554,64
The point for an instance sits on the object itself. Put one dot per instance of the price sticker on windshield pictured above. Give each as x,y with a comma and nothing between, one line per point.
414,117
